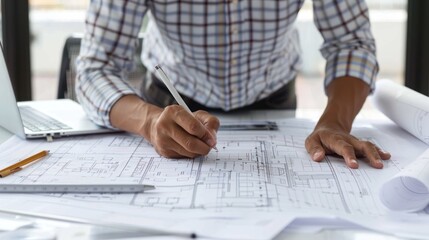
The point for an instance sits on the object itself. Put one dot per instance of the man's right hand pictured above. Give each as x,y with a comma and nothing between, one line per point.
173,131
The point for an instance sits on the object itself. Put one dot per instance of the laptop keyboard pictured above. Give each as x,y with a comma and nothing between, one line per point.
37,121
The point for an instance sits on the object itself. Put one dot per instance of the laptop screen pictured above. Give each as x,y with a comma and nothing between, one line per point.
10,119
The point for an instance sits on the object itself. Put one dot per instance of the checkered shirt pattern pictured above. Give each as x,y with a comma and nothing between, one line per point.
224,54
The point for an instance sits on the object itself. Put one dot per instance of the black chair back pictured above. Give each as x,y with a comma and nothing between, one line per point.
67,78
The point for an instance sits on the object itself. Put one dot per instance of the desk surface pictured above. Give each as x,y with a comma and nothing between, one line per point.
55,229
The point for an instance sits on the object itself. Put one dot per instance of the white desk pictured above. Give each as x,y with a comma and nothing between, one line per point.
42,228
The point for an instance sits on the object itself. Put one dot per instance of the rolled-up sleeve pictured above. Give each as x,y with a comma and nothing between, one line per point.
349,46
106,55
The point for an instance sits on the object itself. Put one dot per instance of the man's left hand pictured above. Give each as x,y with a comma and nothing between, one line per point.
331,135
327,139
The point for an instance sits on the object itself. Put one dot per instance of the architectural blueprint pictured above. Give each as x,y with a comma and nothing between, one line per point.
263,172
406,107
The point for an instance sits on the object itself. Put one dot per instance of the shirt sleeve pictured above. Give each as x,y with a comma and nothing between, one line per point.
349,47
106,54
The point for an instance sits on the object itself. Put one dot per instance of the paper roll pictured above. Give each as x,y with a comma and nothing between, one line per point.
409,189
407,108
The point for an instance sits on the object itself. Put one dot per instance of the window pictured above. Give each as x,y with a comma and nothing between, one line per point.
51,22
388,23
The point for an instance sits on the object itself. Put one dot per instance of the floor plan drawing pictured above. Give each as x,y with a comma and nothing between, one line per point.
254,181
265,172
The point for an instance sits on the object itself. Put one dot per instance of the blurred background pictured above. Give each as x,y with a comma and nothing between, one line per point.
51,22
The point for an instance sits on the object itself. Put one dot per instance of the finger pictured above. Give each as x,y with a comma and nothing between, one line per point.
175,150
189,142
371,153
190,124
209,121
383,154
165,130
347,151
315,148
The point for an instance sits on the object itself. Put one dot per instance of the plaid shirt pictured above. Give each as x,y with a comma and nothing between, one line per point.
224,54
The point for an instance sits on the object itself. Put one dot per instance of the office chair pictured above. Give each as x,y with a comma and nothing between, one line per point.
67,78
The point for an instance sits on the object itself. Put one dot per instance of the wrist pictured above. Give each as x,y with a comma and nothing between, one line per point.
147,114
130,113
336,117
346,96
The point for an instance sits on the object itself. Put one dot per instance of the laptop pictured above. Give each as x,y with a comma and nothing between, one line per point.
41,119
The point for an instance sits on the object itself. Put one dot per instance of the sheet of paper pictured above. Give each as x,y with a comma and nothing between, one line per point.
407,108
266,176
248,225
12,224
108,159
403,226
409,189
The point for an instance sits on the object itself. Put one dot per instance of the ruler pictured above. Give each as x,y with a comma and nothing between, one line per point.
248,125
74,188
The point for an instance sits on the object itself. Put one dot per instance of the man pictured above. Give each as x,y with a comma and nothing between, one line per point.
224,55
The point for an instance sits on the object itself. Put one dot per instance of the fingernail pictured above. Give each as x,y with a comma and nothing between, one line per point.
317,154
381,150
211,142
353,164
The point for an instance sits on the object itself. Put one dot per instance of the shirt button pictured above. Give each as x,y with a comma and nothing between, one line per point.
234,2
233,61
234,30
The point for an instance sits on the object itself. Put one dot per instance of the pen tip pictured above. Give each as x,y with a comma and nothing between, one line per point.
157,67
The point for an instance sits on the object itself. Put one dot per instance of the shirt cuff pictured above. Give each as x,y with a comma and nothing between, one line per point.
359,64
98,95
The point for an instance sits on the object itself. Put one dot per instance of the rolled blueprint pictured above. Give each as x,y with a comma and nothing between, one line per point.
409,189
407,108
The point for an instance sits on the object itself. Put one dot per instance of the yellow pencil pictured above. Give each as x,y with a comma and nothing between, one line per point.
18,166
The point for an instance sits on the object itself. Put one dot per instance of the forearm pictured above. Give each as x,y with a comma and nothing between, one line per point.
107,50
130,113
346,96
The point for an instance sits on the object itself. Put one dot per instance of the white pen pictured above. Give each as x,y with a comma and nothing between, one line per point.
161,74
171,88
